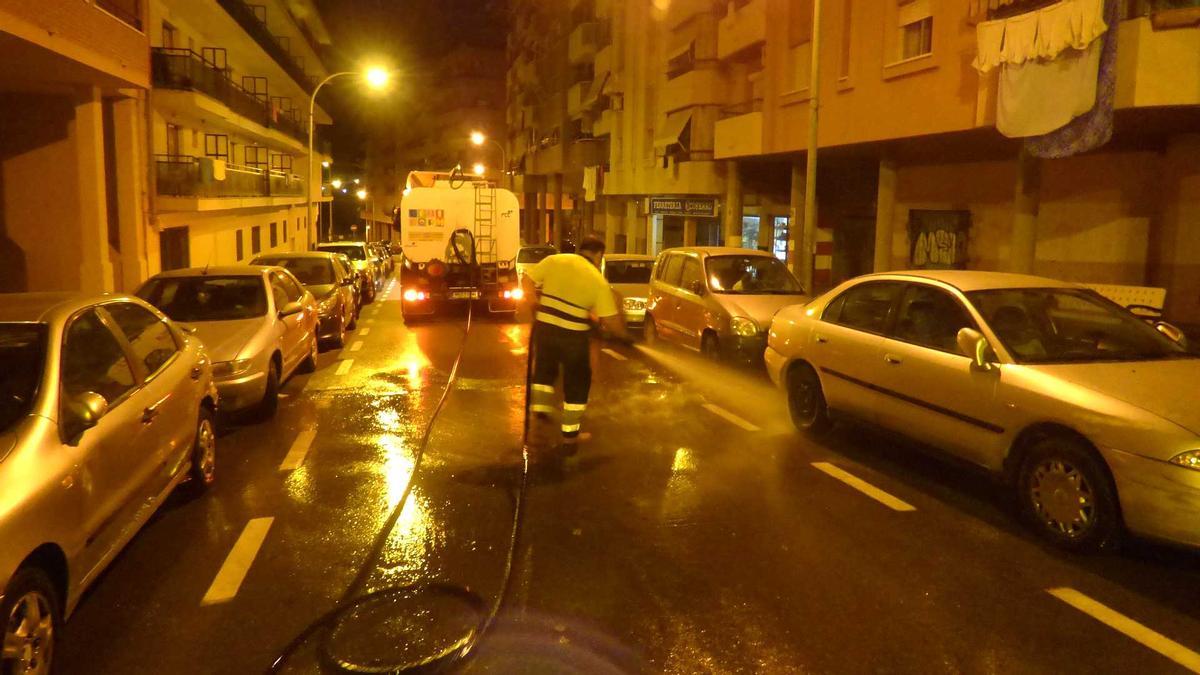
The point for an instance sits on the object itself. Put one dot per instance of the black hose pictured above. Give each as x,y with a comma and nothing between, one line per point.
457,251
332,622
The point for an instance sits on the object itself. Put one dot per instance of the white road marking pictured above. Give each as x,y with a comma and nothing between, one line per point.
344,367
356,346
865,487
730,417
615,354
364,332
233,571
367,321
1121,623
300,446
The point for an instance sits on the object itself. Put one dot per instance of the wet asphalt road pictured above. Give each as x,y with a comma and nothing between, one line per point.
696,533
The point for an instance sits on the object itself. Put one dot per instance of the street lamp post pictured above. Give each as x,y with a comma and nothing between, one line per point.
376,78
478,138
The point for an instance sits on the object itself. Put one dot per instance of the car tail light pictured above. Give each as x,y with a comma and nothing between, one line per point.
413,295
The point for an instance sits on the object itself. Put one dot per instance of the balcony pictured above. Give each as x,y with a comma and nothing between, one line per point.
203,178
605,123
583,43
249,21
577,98
739,136
693,88
129,11
742,28
604,61
680,11
182,69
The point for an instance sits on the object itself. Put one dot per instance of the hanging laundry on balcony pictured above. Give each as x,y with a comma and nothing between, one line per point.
591,179
1049,63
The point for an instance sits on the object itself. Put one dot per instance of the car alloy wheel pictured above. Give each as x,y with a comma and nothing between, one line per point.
309,364
204,454
1066,493
29,625
806,400
1062,497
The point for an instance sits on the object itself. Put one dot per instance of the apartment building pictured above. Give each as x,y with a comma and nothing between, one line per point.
909,146
73,208
231,81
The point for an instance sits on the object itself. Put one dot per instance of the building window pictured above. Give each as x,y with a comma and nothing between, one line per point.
799,67
170,35
274,235
241,248
216,146
173,148
257,156
847,39
916,29
255,240
285,230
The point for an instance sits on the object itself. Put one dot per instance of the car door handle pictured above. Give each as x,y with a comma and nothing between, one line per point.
195,374
151,411
822,339
893,359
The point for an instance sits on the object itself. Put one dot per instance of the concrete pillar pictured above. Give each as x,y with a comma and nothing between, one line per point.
1174,261
766,232
1025,213
612,223
885,208
797,260
632,215
556,195
733,205
95,270
129,138
539,223
689,231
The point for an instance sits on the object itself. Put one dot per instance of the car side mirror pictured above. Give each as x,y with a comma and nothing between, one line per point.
290,309
190,330
83,412
347,281
973,345
1173,333
697,286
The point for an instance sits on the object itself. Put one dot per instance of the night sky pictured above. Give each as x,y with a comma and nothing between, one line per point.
405,34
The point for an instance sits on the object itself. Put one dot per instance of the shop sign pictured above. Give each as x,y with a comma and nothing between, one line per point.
681,206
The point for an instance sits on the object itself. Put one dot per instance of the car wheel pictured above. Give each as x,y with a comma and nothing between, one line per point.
353,322
806,401
710,348
204,453
31,615
270,400
339,340
1064,491
650,332
309,364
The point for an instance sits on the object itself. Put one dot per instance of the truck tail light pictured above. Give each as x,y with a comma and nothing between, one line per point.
413,295
514,294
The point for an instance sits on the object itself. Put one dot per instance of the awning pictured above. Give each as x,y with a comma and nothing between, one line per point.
671,133
592,97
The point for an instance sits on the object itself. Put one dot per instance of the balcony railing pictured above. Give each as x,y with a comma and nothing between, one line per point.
186,176
249,21
185,69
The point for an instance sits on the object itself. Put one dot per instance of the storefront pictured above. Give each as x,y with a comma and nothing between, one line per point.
672,218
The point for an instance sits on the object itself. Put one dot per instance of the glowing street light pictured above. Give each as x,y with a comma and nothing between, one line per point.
362,193
356,181
336,183
377,78
479,138
325,164
479,169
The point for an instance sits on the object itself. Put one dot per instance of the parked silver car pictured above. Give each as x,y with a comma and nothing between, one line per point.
363,259
105,407
258,323
718,300
323,275
629,275
1089,412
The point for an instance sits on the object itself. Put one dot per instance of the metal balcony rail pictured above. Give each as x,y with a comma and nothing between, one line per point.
187,176
246,18
175,68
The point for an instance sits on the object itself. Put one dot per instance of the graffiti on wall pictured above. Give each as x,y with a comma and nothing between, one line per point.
938,239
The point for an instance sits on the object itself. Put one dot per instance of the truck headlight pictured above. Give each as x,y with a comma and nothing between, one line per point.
224,369
1189,459
743,326
634,304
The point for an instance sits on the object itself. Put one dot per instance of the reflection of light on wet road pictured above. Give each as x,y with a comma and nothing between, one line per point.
298,485
684,462
397,469
680,497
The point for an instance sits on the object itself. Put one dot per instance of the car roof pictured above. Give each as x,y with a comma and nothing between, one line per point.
320,255
620,257
976,280
341,243
41,307
720,250
224,271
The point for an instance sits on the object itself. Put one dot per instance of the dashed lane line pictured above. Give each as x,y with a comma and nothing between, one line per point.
615,354
864,487
364,332
233,571
344,367
357,345
299,449
730,417
1123,624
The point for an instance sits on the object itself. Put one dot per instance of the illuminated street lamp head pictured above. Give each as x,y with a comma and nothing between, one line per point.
336,183
479,169
362,194
356,181
377,78
478,138
325,164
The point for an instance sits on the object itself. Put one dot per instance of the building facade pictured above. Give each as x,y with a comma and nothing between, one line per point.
229,128
706,105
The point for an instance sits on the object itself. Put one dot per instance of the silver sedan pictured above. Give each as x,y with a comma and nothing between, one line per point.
1088,412
105,407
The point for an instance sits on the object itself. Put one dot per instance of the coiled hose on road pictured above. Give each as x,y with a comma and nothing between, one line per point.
345,635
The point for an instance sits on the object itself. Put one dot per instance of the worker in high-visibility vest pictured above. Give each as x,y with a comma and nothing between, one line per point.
569,289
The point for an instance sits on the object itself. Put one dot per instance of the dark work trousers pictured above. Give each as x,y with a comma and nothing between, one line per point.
557,348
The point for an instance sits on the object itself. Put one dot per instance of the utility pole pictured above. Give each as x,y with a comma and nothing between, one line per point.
809,242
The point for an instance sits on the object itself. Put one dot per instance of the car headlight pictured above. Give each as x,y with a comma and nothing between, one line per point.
231,368
743,326
1189,459
634,304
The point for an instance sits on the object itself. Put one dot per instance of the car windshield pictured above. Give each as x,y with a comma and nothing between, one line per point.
310,271
750,275
535,255
22,353
351,251
1062,325
207,298
628,271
